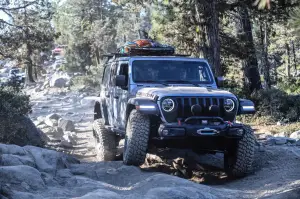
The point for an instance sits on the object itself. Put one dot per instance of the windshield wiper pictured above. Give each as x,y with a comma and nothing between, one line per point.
183,81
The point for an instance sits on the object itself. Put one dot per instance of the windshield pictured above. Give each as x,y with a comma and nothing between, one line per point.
171,71
15,71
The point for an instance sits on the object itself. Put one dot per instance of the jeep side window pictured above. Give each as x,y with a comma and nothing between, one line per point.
124,71
106,74
113,73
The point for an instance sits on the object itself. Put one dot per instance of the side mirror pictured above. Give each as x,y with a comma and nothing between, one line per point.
246,107
120,81
220,81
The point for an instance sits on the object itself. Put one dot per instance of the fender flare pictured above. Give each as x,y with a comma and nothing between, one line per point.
97,110
246,107
143,105
100,110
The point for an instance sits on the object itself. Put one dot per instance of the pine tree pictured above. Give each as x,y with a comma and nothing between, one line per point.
27,30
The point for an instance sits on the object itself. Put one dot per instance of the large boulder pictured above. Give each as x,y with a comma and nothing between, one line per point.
56,175
58,82
50,161
69,139
21,174
12,149
55,133
59,79
24,171
66,125
52,119
14,160
280,140
282,134
39,120
26,133
295,135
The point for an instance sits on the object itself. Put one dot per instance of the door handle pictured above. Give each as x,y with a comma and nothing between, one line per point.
116,97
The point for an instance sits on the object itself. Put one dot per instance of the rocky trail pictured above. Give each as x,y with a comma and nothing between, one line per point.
66,118
73,106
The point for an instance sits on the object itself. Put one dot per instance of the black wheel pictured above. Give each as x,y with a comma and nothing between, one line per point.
238,162
105,142
136,139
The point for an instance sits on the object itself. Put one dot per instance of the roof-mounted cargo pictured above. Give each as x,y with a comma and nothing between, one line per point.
146,47
148,51
143,47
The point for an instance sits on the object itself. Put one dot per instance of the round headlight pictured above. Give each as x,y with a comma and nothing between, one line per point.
229,105
168,105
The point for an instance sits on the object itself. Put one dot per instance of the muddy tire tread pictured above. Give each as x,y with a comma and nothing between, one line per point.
137,136
105,142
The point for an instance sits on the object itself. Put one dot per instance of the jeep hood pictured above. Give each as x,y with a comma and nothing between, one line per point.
182,91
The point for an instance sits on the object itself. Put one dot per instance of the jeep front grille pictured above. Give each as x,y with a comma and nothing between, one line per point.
184,105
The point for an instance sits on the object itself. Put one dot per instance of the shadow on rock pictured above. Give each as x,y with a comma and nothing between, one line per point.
206,169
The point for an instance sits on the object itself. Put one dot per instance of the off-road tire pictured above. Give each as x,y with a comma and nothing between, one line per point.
136,139
105,142
239,162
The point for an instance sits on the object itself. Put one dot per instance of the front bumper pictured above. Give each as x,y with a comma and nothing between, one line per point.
199,136
186,129
171,131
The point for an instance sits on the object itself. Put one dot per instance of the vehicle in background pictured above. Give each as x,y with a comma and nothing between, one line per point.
16,75
58,51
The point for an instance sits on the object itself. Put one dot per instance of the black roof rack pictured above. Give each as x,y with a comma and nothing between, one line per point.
148,51
109,56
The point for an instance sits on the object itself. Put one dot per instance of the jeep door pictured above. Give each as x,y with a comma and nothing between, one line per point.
121,96
105,93
112,91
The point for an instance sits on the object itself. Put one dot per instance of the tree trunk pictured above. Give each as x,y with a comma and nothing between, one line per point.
35,73
275,70
288,62
29,50
266,55
262,46
29,65
250,64
212,23
294,56
87,57
202,36
98,59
